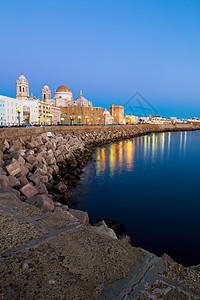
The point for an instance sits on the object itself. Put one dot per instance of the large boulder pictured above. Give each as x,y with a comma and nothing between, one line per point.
41,188
14,182
23,180
103,228
4,181
36,178
13,168
29,190
8,189
42,201
82,216
61,187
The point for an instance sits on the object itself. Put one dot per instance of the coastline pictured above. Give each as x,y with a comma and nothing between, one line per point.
40,150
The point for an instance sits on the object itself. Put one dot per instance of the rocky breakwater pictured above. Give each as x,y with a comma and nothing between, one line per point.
42,170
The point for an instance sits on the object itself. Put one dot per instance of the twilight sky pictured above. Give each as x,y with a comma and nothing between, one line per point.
109,49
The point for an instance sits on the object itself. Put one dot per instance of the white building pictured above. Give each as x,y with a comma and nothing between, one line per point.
108,118
28,114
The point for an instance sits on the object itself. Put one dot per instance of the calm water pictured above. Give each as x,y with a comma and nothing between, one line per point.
150,184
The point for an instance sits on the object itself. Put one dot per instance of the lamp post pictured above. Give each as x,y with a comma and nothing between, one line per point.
62,119
79,120
99,121
86,120
18,109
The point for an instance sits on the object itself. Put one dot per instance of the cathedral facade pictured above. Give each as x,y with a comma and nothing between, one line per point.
63,97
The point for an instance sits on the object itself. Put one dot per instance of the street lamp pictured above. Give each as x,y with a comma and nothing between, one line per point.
86,119
79,120
62,119
18,109
99,121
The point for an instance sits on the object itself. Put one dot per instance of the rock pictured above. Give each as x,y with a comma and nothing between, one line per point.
72,181
21,160
24,170
18,143
82,216
28,166
125,239
13,168
2,171
30,145
40,155
42,201
14,182
28,190
30,159
60,159
41,188
61,187
1,154
1,162
36,178
8,189
40,171
4,181
60,198
103,228
23,180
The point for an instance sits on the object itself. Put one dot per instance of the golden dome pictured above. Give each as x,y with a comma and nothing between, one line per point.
62,89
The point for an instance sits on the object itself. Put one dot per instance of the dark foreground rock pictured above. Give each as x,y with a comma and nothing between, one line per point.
54,256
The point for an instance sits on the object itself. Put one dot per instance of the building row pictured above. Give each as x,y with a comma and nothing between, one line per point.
61,108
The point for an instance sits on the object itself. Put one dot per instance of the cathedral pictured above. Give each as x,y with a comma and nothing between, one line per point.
63,97
61,108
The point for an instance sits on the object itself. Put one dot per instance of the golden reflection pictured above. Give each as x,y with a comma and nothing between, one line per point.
162,143
98,161
111,159
103,160
120,155
153,145
185,141
130,154
145,146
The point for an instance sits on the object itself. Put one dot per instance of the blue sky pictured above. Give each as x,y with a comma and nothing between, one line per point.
109,49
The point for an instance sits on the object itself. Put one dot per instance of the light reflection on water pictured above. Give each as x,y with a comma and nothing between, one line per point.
120,156
150,184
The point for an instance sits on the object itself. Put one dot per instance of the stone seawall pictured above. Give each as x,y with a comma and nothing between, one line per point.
27,132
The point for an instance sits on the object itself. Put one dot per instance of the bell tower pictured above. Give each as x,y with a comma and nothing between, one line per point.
22,87
46,94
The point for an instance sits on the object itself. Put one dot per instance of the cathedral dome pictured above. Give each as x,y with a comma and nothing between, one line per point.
63,89
45,87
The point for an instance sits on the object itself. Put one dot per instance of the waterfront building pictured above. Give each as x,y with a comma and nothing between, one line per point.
2,111
108,119
117,112
158,120
28,110
44,113
82,115
131,119
56,115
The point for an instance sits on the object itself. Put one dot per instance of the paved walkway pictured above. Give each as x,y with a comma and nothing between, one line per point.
53,256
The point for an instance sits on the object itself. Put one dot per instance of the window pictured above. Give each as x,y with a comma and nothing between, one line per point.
23,90
20,89
44,96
